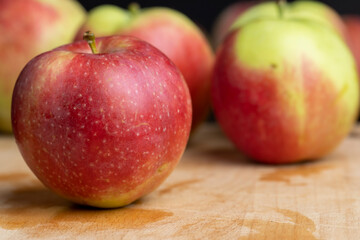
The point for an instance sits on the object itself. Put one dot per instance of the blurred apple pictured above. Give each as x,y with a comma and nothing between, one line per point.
171,32
102,129
285,91
352,23
299,10
227,17
30,27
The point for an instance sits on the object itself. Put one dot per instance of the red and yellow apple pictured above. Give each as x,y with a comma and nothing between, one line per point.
102,129
352,23
227,17
298,10
28,28
285,91
171,32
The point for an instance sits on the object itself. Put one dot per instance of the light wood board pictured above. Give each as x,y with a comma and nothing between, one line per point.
214,193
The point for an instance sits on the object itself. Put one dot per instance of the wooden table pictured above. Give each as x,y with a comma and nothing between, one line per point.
214,193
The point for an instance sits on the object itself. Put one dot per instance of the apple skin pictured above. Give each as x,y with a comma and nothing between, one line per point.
290,98
352,23
306,10
28,28
171,32
102,129
227,17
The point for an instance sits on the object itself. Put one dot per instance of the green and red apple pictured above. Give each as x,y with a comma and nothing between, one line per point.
30,27
283,90
227,17
102,129
171,32
298,10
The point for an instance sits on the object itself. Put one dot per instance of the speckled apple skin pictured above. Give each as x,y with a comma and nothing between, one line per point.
175,35
102,129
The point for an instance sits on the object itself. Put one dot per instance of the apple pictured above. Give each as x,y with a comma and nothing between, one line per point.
304,10
352,23
103,128
227,17
171,32
27,29
285,91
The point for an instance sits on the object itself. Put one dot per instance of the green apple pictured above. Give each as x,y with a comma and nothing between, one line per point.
285,90
30,27
171,32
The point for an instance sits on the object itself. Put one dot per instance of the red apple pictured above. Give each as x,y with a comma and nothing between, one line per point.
28,28
352,23
171,32
283,90
102,129
227,17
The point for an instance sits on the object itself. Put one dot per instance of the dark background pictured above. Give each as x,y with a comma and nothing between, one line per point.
204,13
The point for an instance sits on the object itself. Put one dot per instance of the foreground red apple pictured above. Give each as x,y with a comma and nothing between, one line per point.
102,129
28,28
171,32
283,90
352,23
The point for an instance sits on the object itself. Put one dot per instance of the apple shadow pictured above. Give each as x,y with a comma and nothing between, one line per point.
32,196
6,135
229,154
214,146
37,211
355,133
225,154
210,144
39,197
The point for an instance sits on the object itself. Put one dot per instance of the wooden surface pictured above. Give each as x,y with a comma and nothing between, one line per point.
214,193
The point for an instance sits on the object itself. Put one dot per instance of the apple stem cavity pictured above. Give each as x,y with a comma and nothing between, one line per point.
281,4
134,8
90,38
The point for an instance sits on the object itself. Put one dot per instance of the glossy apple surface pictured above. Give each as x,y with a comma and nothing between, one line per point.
28,28
102,129
285,91
171,32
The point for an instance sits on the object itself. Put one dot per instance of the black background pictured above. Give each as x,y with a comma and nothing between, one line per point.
204,13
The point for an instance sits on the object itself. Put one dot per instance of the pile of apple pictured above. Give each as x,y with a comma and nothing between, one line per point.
104,121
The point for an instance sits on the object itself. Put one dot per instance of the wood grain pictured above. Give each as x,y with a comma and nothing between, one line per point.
214,193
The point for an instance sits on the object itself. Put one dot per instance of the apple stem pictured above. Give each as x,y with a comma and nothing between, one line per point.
90,38
281,4
134,8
